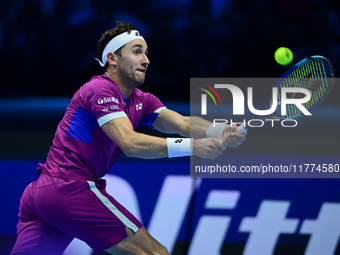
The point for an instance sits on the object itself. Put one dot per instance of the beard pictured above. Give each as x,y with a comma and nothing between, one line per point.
133,77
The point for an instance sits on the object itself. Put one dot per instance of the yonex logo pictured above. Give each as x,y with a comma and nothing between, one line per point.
178,140
139,106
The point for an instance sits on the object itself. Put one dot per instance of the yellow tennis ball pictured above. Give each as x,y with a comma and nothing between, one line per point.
283,56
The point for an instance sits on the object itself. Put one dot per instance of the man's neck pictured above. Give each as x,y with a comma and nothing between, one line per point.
124,87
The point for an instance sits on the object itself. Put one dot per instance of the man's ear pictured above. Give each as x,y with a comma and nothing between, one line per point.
111,58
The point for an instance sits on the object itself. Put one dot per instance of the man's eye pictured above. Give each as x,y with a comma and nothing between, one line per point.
136,52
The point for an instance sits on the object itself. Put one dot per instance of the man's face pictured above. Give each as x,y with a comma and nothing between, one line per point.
133,62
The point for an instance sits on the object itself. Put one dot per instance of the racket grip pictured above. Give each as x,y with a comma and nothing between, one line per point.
241,129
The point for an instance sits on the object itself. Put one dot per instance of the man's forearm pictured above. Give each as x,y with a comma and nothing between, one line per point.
195,127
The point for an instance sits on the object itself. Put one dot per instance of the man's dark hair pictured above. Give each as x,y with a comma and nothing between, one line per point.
109,34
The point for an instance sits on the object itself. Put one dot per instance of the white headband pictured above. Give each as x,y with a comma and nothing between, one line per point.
118,42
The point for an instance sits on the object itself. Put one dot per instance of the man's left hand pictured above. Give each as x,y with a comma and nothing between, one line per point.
231,137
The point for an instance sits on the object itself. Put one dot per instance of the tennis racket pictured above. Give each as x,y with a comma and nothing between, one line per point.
315,74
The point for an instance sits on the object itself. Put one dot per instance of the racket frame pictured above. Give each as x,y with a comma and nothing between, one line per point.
330,79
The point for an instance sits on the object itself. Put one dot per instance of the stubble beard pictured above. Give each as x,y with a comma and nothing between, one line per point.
136,78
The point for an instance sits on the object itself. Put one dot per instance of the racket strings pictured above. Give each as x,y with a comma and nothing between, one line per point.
311,75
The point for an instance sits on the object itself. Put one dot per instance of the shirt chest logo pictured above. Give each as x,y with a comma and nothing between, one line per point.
139,106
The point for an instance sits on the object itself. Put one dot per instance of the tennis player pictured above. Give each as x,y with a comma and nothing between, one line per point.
69,198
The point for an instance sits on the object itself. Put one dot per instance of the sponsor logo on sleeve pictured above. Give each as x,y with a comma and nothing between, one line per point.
108,100
113,107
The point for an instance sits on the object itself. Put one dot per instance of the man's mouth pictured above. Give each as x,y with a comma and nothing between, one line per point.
142,70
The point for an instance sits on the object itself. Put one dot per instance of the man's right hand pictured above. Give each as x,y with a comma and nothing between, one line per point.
208,147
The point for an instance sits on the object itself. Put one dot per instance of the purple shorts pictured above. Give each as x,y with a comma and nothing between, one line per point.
53,211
